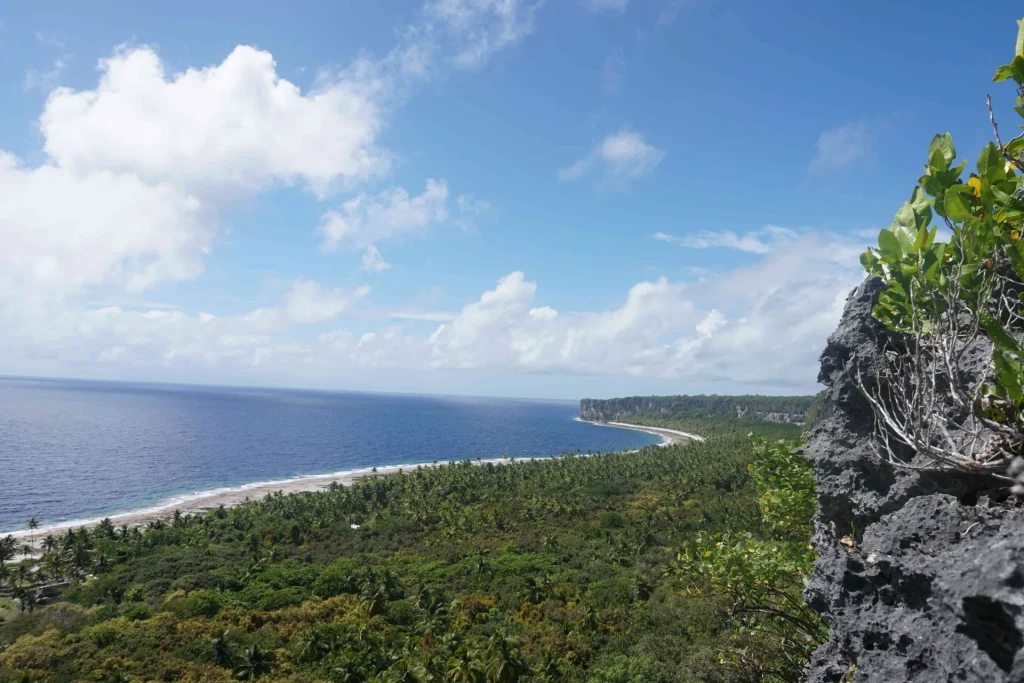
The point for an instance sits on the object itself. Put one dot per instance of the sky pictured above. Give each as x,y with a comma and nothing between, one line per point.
497,197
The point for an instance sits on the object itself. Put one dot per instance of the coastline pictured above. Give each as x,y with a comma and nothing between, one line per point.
668,436
202,501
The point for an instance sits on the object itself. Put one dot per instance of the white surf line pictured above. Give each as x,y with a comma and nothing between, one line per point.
657,431
200,501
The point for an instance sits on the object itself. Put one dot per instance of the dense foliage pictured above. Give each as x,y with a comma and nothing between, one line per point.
946,296
761,575
568,569
708,406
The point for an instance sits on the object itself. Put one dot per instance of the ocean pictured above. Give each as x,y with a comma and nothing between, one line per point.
80,450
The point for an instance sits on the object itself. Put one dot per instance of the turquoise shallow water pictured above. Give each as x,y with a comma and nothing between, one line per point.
75,450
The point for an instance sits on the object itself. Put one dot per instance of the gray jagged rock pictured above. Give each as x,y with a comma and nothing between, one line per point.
930,583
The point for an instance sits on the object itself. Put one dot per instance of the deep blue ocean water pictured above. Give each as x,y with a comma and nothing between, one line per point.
73,450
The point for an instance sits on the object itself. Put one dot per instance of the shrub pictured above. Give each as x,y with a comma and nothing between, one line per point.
944,297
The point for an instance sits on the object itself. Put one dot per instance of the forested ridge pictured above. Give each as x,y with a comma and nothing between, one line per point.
703,407
612,568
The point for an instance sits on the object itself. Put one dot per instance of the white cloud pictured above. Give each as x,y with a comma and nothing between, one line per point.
47,79
365,220
478,29
140,167
613,75
236,126
840,147
758,326
373,261
623,156
60,231
309,302
428,316
757,242
606,5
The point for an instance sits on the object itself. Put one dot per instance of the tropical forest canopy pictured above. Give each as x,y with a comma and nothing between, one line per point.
669,564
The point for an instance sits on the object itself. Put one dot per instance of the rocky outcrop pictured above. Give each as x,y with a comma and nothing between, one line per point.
620,409
928,584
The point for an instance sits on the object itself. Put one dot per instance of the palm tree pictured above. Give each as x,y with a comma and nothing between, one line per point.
255,663
461,668
548,669
505,664
7,546
316,644
222,654
33,524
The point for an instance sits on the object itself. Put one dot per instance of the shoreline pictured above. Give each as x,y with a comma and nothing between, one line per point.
201,502
668,436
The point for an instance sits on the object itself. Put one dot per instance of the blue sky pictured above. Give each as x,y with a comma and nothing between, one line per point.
592,197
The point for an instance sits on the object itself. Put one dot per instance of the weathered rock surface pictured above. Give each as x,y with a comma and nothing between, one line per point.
933,587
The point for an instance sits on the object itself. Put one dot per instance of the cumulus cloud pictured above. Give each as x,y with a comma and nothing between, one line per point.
365,220
756,242
839,147
762,325
140,167
61,231
623,156
236,126
54,332
310,302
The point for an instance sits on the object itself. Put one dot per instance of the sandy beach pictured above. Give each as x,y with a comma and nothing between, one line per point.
202,501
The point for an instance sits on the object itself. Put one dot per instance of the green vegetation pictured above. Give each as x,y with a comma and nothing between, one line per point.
708,406
946,296
568,569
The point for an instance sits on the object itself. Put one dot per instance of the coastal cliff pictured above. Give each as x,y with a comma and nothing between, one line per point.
920,573
791,410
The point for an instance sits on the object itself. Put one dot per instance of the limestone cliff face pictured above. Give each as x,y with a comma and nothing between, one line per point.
932,589
619,409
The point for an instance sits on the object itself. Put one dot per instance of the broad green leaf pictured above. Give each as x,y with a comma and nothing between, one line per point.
921,241
989,158
955,206
1002,73
922,205
1008,375
1019,47
933,186
937,161
1013,252
944,145
999,336
1006,199
905,216
907,237
889,245
870,262
1017,67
